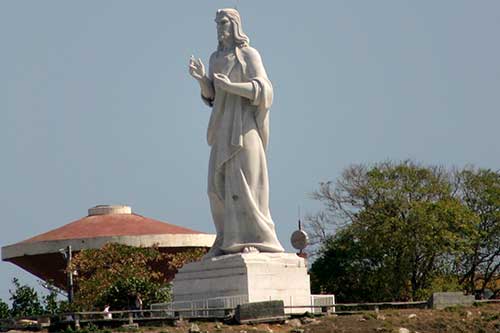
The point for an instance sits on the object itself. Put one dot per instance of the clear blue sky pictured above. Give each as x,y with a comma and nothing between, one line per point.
97,106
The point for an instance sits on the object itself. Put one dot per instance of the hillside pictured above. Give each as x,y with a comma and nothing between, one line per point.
484,318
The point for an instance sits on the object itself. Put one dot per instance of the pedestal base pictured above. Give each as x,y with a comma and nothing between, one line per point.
246,277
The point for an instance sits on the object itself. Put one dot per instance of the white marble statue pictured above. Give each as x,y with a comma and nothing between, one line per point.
240,94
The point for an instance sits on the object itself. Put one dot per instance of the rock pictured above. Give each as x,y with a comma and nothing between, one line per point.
469,314
403,330
380,317
411,316
267,329
194,328
294,323
130,326
180,323
362,319
308,320
297,330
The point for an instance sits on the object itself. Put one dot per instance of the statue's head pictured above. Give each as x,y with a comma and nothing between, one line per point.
229,28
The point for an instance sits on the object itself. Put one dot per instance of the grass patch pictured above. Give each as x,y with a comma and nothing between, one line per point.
492,317
369,315
455,309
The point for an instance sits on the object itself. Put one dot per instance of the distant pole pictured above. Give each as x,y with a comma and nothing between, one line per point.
70,274
298,217
300,229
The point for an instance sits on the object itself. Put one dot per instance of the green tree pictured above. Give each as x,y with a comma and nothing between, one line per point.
116,273
479,189
25,300
122,292
343,268
4,310
398,226
50,303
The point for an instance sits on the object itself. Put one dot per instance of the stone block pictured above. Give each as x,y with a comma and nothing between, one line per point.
259,312
443,300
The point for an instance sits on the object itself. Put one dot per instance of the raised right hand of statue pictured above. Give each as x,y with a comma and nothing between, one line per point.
196,68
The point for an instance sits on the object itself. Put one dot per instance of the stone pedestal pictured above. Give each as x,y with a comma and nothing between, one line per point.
245,277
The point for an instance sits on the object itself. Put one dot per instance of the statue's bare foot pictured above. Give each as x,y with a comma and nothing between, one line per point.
250,249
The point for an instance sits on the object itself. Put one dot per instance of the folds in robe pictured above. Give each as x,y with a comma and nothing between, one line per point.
238,133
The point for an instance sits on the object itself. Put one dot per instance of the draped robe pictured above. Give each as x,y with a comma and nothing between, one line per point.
238,132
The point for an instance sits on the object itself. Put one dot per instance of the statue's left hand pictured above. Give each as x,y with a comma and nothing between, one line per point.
221,81
196,68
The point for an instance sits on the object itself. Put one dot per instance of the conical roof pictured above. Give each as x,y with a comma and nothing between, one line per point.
110,225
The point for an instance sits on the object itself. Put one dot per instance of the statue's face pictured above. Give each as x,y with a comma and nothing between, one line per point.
224,29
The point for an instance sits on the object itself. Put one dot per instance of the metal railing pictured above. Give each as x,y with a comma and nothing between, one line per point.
218,308
193,310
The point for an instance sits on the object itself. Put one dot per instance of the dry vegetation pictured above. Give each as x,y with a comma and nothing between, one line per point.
483,319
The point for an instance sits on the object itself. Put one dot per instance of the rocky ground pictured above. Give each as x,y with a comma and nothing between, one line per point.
484,319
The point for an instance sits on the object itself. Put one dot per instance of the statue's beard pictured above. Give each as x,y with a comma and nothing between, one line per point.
224,37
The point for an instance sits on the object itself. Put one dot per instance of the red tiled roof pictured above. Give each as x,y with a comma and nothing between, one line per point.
111,225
